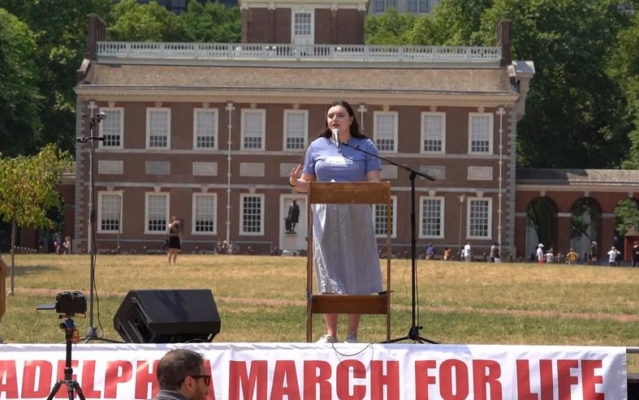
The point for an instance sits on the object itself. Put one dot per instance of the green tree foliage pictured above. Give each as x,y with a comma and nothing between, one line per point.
60,30
134,22
390,28
211,22
28,190
20,102
458,22
626,216
627,72
577,114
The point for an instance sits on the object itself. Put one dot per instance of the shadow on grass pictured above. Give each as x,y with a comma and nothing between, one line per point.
24,270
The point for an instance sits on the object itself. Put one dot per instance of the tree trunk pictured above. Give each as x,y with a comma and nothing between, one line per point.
14,230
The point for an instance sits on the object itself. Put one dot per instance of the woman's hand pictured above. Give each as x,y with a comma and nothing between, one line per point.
292,179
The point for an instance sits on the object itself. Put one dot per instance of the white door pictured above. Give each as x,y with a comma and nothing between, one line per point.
293,241
303,28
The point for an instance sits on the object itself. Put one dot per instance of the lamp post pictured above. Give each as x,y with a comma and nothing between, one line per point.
461,219
501,112
119,219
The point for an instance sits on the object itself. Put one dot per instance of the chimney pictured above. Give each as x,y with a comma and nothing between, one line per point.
96,32
503,41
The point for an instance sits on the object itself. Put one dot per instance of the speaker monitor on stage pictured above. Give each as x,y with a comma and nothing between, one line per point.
167,316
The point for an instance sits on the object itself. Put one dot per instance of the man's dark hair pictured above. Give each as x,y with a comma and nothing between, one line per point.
175,366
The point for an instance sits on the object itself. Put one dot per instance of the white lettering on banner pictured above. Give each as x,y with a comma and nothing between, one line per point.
292,371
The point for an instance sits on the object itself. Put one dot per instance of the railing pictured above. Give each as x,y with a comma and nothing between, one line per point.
290,52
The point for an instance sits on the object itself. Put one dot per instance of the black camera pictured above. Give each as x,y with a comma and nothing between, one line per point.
67,303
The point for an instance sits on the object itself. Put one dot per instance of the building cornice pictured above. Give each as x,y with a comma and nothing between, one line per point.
580,187
458,99
308,4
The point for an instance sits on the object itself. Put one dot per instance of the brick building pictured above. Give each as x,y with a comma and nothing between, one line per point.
209,132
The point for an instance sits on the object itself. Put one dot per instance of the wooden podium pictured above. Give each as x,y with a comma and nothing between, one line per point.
347,193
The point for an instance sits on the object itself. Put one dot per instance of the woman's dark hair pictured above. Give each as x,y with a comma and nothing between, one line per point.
354,130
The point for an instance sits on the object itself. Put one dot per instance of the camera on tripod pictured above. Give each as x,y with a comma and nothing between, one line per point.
68,304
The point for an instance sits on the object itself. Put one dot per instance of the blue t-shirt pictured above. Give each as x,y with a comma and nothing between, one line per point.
327,163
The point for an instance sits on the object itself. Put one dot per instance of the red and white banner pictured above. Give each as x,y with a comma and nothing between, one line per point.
295,371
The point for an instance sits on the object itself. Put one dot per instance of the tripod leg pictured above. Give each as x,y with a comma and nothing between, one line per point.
54,390
78,390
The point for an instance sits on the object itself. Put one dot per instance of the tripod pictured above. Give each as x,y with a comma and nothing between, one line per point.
69,329
413,332
92,333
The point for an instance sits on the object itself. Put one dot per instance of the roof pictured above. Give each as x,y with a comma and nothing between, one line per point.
576,176
489,81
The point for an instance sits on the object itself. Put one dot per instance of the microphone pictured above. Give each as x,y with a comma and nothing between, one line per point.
336,137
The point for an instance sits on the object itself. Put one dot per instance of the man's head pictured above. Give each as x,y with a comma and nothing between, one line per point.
183,371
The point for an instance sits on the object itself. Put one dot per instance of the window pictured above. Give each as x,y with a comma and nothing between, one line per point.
379,218
251,214
295,129
109,212
481,133
204,209
253,126
205,129
431,217
433,132
479,218
384,5
112,128
386,131
302,24
158,128
157,213
418,6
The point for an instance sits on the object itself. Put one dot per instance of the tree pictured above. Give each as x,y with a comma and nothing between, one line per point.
60,31
211,22
27,190
20,103
390,28
576,111
134,22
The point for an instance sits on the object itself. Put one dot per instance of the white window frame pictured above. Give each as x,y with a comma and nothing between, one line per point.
387,5
491,129
146,212
101,195
263,127
149,110
471,200
393,218
418,8
194,213
423,131
395,114
216,128
241,224
311,37
109,117
286,129
442,217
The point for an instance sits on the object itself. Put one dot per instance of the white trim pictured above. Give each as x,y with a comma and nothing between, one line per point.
393,218
395,115
194,210
146,212
469,200
241,214
423,133
101,124
149,110
442,216
305,135
216,135
101,194
491,133
263,128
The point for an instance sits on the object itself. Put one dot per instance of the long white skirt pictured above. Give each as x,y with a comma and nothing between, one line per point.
345,249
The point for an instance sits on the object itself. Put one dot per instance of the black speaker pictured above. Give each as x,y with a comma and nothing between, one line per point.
167,316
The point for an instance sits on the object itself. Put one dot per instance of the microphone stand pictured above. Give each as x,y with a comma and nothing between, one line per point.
413,332
92,333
